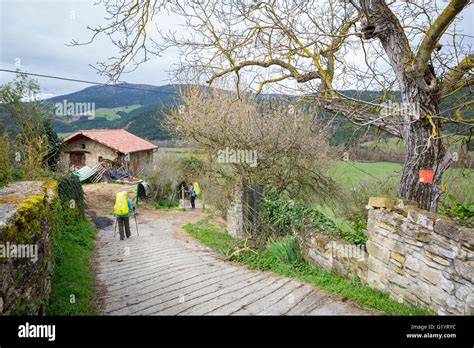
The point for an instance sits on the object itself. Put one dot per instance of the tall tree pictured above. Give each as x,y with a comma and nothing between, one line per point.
36,144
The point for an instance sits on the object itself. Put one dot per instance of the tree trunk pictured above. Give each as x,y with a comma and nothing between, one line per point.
420,95
425,149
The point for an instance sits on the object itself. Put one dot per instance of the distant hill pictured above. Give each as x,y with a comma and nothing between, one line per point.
122,95
135,107
139,108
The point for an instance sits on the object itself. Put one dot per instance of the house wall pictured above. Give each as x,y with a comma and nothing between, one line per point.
96,149
136,160
139,160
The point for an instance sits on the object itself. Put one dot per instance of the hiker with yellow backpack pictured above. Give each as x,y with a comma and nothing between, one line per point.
193,191
122,208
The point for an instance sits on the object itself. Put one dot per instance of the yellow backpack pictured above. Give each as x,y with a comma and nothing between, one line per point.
121,204
197,189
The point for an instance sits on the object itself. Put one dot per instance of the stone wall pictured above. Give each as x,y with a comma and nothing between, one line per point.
235,218
417,257
25,246
242,213
333,255
93,149
420,257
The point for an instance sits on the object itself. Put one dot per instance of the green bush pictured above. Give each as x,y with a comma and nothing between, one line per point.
286,250
70,192
192,167
462,213
166,203
7,171
286,215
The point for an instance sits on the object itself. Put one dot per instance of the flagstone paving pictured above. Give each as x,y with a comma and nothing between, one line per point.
164,271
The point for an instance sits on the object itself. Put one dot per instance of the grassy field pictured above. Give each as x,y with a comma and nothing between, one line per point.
64,135
382,178
112,113
349,174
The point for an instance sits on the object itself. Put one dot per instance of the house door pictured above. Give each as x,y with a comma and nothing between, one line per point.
77,159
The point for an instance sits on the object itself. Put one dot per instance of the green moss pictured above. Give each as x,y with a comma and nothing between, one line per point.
27,220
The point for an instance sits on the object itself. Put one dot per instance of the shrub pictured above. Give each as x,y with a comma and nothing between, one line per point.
286,250
6,160
286,215
463,213
71,194
166,203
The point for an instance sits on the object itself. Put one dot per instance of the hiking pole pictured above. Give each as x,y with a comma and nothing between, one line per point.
115,227
136,224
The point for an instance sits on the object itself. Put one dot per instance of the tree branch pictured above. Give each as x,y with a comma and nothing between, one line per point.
265,64
358,113
454,81
432,37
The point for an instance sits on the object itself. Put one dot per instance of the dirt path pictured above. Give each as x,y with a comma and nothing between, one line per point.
166,272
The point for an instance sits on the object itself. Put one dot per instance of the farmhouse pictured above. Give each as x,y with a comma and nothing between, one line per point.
91,147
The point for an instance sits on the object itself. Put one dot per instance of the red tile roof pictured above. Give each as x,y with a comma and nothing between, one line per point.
118,139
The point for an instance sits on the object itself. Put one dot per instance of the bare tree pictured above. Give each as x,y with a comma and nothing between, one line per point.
412,51
267,143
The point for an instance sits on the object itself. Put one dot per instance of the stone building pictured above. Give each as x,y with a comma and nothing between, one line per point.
91,147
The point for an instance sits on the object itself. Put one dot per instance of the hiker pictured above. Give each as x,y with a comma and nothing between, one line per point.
123,207
192,194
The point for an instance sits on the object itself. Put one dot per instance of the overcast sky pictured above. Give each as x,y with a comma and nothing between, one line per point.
34,34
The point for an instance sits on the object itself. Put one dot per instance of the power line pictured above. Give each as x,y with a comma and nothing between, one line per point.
85,81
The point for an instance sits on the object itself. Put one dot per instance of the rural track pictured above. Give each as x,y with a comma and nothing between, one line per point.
164,271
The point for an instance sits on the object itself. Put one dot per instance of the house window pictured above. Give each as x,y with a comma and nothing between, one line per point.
100,158
83,146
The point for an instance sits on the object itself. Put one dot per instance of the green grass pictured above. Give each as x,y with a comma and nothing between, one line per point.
179,153
111,114
64,135
72,279
210,235
355,289
166,204
349,173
